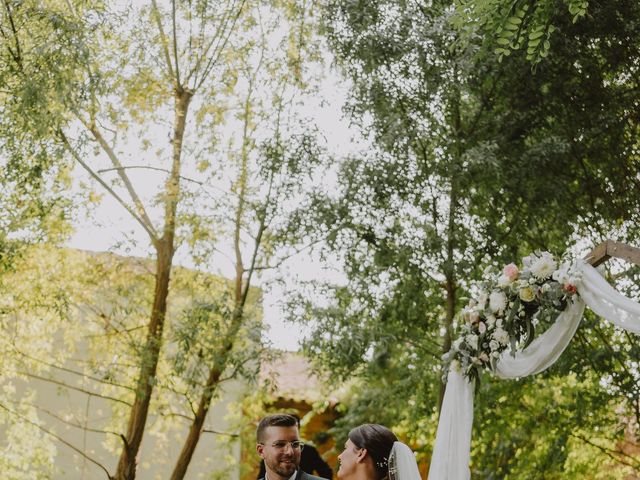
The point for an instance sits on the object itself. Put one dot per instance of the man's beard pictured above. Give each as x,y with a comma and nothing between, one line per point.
284,469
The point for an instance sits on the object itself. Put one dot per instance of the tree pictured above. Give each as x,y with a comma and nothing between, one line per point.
478,161
183,72
512,26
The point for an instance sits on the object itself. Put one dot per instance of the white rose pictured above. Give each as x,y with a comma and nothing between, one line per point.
527,294
494,345
497,302
544,266
472,341
501,336
491,321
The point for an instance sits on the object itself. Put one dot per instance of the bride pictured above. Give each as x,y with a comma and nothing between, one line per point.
373,452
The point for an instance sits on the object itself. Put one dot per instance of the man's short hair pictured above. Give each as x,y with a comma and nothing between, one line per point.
276,420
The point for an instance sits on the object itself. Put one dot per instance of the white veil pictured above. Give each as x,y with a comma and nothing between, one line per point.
402,463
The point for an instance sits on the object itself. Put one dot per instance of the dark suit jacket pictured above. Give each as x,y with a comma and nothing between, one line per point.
304,476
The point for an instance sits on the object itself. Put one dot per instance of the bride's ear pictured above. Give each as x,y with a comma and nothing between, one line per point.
362,454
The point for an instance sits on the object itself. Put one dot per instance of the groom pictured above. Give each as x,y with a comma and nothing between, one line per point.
279,446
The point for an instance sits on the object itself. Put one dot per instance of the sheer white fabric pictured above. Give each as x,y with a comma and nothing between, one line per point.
402,463
451,452
605,301
545,349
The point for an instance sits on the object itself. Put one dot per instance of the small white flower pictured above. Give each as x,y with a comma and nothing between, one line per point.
497,302
544,266
482,299
494,345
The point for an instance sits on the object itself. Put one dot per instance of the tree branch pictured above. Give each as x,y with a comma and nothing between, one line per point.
214,58
71,387
146,167
128,185
175,41
60,439
66,422
147,227
164,41
613,454
68,370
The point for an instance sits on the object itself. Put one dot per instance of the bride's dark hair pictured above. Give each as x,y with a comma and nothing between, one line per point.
378,441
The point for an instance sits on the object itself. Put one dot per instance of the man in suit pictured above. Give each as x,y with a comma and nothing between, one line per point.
280,447
310,460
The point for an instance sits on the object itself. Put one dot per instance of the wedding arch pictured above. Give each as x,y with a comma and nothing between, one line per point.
570,287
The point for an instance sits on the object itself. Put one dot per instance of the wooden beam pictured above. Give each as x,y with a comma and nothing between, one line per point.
607,249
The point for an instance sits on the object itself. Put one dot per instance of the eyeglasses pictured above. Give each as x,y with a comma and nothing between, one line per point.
282,444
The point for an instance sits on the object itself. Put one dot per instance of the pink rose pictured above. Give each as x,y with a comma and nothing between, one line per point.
511,271
482,327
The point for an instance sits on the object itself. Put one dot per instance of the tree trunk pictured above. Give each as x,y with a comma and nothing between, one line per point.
452,232
241,290
126,469
138,416
197,425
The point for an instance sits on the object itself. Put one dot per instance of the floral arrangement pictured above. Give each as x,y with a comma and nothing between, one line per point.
506,310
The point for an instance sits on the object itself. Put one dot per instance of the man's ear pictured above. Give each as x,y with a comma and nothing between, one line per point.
260,449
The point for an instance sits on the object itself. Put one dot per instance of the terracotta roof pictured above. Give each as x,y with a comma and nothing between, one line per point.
293,377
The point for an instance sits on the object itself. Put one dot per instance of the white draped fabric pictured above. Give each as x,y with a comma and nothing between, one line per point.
450,459
451,452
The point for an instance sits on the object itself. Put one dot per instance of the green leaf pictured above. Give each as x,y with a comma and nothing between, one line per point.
536,34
